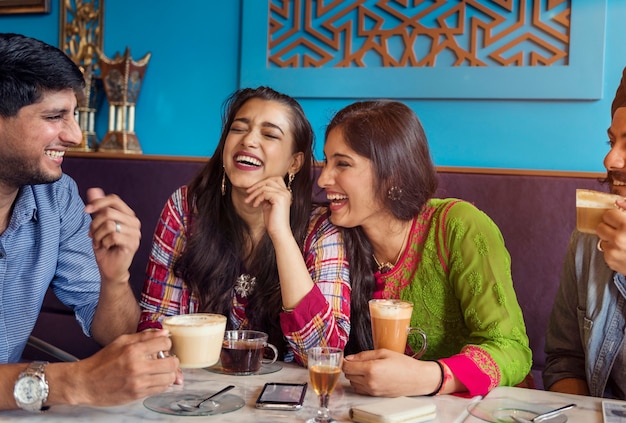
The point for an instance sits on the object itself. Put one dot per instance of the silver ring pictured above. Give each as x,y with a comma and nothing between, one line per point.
599,246
161,354
118,227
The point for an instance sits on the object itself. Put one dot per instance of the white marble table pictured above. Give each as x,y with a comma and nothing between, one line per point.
450,409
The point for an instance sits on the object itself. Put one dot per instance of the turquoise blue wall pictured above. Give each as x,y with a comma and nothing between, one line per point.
195,65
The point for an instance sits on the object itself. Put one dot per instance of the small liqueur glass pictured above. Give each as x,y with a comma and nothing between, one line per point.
324,369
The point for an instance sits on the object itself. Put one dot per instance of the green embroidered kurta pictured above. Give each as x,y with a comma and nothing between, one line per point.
457,273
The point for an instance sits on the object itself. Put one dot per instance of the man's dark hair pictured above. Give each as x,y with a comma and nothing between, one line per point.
620,95
29,68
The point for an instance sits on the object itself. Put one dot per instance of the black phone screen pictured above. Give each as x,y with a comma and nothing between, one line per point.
282,394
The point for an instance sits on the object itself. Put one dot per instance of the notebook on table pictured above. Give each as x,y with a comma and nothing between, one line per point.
395,410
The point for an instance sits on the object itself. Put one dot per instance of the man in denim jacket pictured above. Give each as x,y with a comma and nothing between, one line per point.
585,348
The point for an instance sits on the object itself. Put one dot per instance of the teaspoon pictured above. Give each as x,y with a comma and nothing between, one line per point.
186,406
544,416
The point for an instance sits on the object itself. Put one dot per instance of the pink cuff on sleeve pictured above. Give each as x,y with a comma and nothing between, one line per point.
470,375
311,305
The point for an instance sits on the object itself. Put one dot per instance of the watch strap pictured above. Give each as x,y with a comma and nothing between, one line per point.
36,370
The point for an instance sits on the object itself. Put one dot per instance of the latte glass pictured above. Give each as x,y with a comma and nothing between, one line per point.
590,206
391,325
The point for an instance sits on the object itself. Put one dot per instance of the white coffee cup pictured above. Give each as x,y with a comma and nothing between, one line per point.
196,338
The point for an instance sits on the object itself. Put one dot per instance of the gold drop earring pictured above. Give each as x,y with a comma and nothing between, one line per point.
292,176
223,181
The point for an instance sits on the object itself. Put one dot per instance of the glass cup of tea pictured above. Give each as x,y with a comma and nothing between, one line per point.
196,338
324,365
590,206
243,351
391,325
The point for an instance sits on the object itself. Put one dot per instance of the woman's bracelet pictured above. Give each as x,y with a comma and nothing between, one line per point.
443,376
447,376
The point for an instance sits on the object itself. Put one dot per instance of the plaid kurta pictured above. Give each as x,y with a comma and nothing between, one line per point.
321,318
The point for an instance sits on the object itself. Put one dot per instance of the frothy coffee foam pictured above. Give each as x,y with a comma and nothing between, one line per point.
595,199
391,310
194,325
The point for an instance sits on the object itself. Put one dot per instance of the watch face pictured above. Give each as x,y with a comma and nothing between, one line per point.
29,390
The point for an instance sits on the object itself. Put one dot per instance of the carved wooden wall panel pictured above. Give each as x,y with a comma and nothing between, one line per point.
409,33
504,49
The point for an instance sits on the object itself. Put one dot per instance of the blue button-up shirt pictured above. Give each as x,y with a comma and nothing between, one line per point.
45,244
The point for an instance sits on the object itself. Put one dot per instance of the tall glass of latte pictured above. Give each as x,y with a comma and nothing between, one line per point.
196,338
391,325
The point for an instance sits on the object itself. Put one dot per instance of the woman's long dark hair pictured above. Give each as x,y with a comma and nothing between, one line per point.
390,135
214,255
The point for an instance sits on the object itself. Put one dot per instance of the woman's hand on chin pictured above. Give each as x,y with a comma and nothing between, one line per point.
273,196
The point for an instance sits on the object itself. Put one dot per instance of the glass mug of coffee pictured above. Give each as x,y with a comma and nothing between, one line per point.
243,351
391,325
590,206
196,338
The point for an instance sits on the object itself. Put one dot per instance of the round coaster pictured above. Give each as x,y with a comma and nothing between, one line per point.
167,403
264,370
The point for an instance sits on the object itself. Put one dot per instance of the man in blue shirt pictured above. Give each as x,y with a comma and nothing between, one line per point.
48,239
586,352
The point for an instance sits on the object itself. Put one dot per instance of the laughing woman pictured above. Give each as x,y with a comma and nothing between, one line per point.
241,239
444,255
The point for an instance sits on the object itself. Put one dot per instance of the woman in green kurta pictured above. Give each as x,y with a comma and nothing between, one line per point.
444,255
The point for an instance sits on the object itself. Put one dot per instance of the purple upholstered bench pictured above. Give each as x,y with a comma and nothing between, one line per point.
536,214
534,210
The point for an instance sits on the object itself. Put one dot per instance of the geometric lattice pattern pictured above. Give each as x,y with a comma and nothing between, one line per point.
418,33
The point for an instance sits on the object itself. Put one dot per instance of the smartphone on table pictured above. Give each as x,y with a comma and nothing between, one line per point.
281,396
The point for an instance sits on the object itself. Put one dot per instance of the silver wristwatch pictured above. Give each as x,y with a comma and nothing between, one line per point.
31,387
